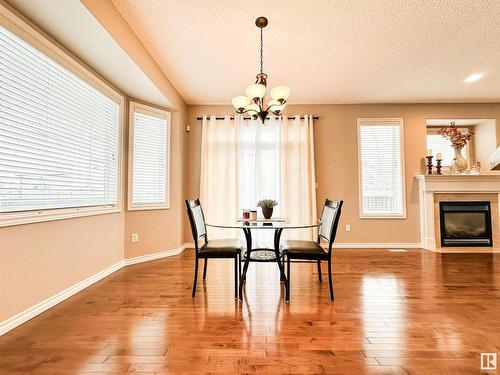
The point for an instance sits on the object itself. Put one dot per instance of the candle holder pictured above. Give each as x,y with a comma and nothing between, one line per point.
438,166
429,164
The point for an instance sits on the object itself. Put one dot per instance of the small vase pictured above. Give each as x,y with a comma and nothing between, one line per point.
267,212
459,164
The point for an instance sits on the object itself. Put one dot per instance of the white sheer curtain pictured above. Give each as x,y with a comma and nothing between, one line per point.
244,161
259,162
219,194
298,176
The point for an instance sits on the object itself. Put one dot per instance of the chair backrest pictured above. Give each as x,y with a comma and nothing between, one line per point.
197,220
329,221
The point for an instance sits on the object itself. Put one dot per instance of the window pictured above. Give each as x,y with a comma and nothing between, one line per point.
59,139
381,168
259,157
252,161
149,158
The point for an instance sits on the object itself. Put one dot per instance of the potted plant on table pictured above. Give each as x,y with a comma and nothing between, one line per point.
458,141
267,206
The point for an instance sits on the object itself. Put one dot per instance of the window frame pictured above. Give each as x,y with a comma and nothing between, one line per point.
382,121
155,111
31,34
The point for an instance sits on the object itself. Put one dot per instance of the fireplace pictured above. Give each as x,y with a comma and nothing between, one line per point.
465,224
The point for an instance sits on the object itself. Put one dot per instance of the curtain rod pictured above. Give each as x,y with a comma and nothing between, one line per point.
249,118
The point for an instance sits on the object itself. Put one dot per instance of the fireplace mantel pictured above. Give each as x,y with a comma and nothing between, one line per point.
430,185
483,183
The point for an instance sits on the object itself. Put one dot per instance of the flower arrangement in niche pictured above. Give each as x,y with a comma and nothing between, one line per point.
455,136
267,206
458,140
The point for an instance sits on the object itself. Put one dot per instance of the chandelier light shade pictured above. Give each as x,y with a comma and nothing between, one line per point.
280,93
254,103
241,102
256,91
252,108
276,107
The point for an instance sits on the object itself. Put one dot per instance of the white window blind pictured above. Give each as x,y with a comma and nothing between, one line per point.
381,171
59,136
150,150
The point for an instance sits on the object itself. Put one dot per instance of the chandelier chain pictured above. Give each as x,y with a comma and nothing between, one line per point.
255,102
261,53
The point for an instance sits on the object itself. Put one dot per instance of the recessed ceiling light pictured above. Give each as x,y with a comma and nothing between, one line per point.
474,77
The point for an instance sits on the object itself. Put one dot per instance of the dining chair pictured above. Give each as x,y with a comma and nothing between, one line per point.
312,250
224,248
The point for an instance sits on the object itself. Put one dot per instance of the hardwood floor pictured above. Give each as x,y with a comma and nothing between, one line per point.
414,312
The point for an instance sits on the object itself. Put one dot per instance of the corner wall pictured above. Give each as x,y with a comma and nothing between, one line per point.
40,260
161,230
158,230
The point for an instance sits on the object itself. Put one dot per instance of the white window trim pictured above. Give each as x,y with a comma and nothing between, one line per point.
15,23
155,112
381,121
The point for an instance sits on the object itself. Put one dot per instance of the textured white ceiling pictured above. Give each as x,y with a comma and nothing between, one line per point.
325,51
72,25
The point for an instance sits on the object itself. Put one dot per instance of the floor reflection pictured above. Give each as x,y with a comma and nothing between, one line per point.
394,312
384,311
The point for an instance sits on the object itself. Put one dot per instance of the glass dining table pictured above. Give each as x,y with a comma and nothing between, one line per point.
264,254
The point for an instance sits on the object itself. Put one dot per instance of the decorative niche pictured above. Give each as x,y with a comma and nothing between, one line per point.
479,148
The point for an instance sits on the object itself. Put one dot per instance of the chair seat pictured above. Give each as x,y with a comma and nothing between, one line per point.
226,248
299,249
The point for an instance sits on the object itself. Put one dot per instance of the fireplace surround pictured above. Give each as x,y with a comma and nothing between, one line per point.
465,223
434,189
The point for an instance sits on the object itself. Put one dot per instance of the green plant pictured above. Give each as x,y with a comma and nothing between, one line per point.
267,203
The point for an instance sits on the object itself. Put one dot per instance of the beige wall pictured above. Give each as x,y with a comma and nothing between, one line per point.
161,230
337,161
158,230
40,260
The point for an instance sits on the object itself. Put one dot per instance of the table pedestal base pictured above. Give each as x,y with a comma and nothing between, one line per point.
263,255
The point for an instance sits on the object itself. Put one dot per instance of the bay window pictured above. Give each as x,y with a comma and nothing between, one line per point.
59,136
149,148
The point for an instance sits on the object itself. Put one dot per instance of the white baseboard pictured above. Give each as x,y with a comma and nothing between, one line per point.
360,245
158,255
46,304
39,308
364,245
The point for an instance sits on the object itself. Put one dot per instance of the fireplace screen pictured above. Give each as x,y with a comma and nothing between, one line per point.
465,224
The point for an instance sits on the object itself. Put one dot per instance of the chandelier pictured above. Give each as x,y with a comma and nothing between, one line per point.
254,102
